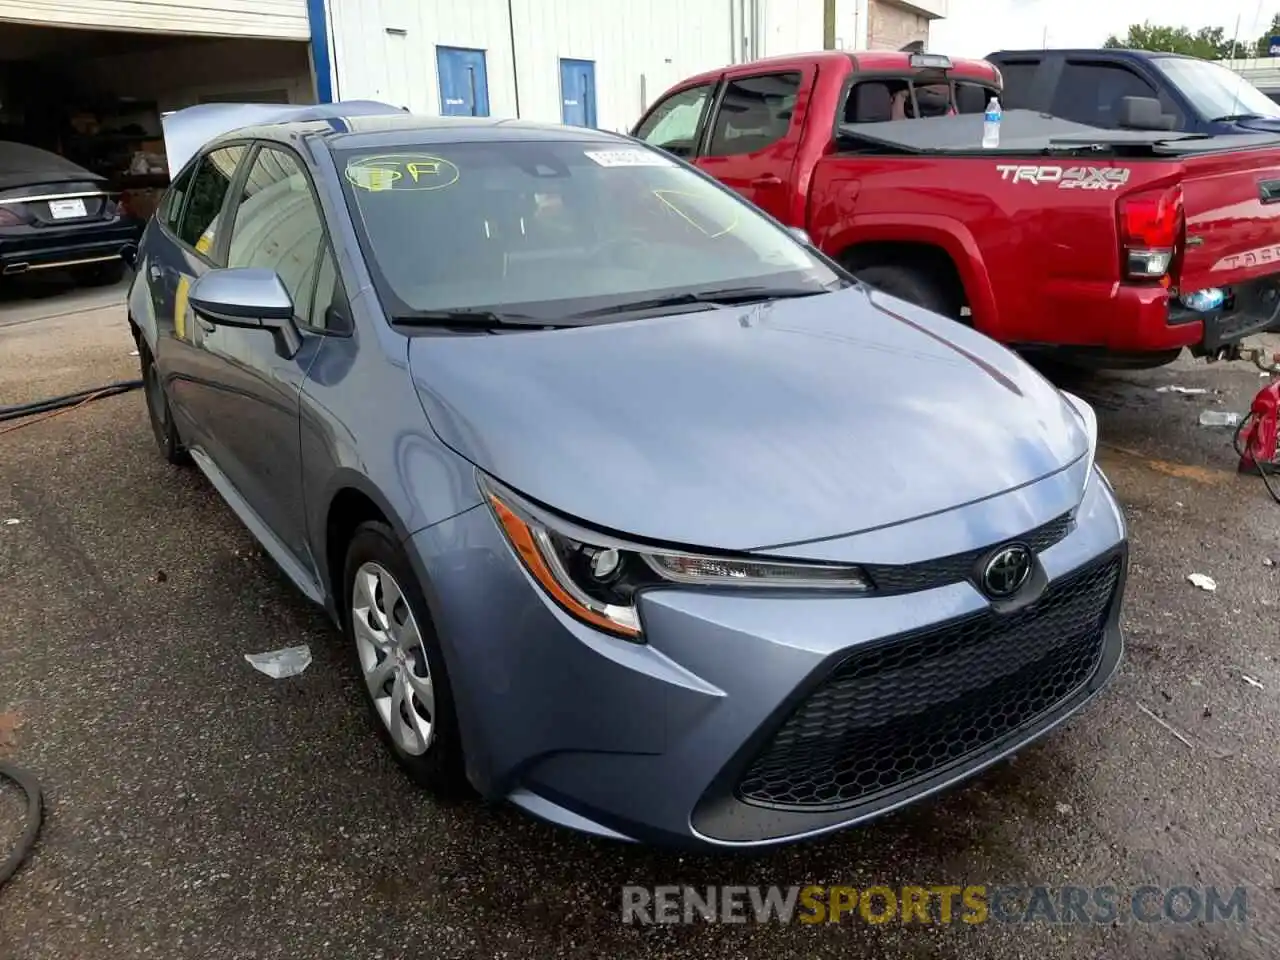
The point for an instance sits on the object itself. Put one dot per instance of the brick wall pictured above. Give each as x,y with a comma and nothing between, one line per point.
892,27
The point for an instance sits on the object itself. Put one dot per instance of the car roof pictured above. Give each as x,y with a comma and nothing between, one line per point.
864,61
406,129
1093,52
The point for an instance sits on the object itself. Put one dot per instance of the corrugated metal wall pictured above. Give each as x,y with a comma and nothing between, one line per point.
272,19
386,49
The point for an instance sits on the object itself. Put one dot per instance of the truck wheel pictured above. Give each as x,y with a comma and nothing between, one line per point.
912,285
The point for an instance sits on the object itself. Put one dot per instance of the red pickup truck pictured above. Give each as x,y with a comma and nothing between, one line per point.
1086,241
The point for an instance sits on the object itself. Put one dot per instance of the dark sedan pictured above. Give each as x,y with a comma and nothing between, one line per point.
55,214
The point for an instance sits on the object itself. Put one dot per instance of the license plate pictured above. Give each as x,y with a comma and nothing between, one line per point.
66,209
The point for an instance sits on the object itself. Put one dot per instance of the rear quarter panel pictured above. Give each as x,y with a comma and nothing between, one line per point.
1025,234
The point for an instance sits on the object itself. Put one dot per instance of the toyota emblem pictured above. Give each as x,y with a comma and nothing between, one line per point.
1007,570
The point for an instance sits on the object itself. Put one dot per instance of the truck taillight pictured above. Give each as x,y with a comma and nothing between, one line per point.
1150,229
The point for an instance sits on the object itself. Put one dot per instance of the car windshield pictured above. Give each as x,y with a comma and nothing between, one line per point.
1214,91
553,229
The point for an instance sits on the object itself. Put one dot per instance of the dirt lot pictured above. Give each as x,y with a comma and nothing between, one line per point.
198,809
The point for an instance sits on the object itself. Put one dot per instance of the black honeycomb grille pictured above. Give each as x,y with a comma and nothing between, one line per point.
910,577
906,708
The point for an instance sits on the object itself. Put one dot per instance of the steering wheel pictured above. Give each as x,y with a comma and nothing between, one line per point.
629,250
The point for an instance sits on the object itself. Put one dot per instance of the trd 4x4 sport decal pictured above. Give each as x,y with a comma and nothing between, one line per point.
1065,178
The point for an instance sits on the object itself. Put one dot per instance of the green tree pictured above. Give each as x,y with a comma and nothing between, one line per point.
1208,43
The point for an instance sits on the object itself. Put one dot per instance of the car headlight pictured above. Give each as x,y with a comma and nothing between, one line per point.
597,578
1089,420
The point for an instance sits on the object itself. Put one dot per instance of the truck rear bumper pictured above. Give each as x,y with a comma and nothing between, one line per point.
1114,317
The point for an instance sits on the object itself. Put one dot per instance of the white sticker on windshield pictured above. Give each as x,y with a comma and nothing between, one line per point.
630,158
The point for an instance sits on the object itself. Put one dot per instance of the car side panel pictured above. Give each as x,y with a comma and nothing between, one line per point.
361,424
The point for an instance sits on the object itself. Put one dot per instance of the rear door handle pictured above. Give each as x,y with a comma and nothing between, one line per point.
1269,191
767,180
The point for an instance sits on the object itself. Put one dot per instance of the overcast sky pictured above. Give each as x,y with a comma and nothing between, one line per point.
978,27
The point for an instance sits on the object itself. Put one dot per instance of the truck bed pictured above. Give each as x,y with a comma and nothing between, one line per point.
1024,132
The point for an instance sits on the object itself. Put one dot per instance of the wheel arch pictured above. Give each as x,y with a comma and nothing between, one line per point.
933,239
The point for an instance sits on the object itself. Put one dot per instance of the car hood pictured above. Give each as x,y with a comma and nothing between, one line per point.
749,427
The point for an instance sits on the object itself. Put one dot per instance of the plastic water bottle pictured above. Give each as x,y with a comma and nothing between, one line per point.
1220,418
991,125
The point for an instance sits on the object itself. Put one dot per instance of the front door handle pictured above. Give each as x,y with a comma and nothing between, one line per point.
767,180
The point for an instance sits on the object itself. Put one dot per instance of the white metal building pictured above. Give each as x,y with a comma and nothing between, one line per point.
90,78
594,62
171,52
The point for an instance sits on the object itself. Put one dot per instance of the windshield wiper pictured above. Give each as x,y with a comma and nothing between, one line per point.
483,319
712,298
1239,116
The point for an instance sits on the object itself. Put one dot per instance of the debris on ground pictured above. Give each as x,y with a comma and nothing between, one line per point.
1219,418
1202,581
12,522
1174,388
279,664
1250,681
1064,808
9,724
133,353
1150,713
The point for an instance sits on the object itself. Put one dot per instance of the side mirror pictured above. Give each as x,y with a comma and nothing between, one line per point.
1143,113
248,298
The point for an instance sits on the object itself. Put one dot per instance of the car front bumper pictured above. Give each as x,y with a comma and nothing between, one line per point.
753,719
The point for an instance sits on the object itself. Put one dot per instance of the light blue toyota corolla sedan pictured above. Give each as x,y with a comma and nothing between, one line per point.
634,510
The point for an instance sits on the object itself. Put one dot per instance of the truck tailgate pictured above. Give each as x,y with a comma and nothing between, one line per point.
1231,202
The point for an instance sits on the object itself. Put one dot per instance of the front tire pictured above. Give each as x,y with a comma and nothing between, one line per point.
397,653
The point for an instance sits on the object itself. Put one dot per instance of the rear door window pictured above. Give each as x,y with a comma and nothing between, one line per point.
202,213
177,192
1090,92
755,113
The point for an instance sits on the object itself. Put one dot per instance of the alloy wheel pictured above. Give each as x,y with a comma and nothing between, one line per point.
393,659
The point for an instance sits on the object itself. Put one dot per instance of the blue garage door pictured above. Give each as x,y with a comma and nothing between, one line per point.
464,83
578,92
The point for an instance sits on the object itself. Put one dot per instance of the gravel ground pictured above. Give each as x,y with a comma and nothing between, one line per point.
199,809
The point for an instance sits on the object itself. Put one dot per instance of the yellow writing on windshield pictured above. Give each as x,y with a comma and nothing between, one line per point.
685,205
402,171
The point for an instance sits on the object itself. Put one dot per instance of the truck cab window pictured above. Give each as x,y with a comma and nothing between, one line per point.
1019,75
875,101
974,97
673,123
754,114
1090,92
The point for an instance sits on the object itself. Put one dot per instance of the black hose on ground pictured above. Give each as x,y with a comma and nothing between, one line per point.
17,411
35,817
